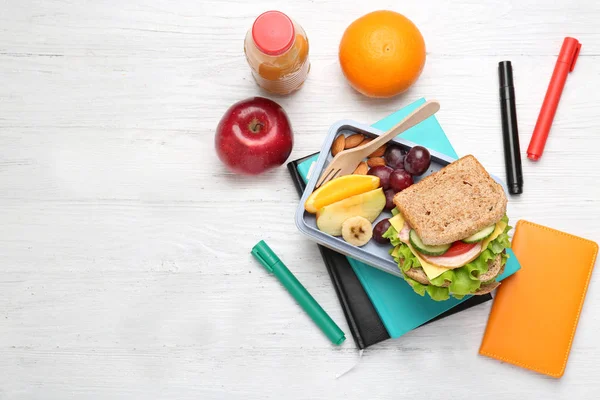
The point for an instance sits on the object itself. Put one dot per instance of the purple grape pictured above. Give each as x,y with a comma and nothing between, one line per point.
400,180
381,227
417,161
389,199
394,157
383,172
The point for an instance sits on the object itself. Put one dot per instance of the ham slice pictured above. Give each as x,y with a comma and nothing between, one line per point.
453,261
403,235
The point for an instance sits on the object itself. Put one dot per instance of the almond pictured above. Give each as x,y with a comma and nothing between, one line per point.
367,140
354,140
362,169
379,152
338,145
372,162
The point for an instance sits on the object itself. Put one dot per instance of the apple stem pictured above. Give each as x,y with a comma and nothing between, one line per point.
255,126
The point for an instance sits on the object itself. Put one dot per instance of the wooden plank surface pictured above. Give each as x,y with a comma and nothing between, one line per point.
124,250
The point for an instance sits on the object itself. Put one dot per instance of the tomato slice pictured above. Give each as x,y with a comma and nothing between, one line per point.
459,248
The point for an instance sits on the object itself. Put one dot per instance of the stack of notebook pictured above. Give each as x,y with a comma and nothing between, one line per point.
374,302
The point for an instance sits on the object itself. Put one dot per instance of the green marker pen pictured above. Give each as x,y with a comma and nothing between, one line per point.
263,253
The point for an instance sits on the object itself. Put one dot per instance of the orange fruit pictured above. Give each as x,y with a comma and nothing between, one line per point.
339,189
382,54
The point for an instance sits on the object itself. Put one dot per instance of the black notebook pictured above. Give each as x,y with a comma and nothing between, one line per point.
365,324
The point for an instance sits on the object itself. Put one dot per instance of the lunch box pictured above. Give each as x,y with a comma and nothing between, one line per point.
374,254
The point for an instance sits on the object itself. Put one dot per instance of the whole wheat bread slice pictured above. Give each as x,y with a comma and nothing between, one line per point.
452,203
495,268
419,275
488,288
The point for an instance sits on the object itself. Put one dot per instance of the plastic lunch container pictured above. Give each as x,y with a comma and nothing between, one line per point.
373,253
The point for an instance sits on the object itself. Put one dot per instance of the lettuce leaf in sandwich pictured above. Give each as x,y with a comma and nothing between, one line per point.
459,282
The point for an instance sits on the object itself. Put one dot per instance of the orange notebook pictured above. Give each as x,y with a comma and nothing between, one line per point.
531,324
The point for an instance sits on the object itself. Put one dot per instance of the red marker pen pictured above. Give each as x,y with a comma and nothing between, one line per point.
564,65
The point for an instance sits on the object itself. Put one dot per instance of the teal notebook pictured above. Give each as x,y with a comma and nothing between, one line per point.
388,293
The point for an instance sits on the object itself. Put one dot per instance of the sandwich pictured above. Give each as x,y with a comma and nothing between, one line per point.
449,232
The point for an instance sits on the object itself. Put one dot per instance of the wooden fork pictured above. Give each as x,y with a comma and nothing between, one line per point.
345,162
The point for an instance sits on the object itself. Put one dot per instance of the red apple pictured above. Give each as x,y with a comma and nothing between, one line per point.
253,136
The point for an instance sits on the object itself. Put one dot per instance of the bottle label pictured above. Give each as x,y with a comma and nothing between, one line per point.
286,84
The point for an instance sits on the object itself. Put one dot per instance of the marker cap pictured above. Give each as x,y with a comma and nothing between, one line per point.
505,73
263,253
569,52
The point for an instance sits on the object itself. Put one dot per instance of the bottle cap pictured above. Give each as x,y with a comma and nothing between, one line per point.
273,33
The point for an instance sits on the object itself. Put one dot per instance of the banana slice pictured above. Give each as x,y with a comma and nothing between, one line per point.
357,231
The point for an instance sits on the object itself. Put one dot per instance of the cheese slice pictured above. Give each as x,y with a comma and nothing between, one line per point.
500,227
431,271
397,221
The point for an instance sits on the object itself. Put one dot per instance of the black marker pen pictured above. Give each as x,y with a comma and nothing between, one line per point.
510,132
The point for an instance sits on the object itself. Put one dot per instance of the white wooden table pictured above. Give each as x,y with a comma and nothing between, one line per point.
124,247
